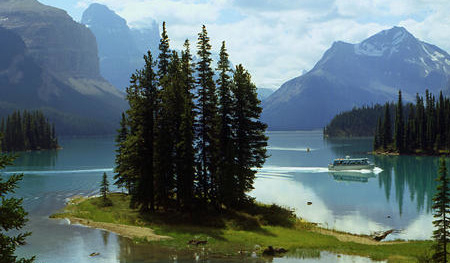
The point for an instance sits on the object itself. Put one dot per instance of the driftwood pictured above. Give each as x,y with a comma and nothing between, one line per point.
270,251
197,242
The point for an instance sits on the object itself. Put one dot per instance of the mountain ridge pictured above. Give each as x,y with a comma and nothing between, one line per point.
349,75
56,69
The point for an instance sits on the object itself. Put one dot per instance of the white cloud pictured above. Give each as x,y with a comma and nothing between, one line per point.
275,39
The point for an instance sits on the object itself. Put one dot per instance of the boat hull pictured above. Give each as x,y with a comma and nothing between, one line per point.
350,167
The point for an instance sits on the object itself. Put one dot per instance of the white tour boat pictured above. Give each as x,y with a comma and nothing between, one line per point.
348,163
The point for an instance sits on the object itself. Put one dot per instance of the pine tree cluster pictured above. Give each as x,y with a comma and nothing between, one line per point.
426,129
189,141
27,131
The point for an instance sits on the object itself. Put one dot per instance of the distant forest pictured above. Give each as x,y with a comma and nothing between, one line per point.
358,122
423,127
27,131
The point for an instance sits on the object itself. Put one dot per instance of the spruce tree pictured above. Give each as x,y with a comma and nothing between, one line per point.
12,216
387,132
430,130
411,130
441,214
139,152
226,176
170,137
164,130
421,123
377,142
399,126
164,53
208,122
104,190
251,140
120,169
185,148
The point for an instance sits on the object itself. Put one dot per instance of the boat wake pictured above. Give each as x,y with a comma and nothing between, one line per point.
280,170
295,149
100,170
293,169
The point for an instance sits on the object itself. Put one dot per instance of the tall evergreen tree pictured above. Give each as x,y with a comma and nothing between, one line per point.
164,53
121,168
208,122
164,130
441,214
226,177
104,190
430,120
399,127
421,123
139,147
387,132
251,140
185,148
12,217
377,139
411,130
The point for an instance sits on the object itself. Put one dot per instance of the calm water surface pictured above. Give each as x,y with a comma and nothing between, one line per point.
397,196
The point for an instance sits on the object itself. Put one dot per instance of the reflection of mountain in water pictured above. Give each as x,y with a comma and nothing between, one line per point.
415,174
351,176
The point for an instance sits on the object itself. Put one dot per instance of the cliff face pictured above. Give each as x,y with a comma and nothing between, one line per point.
121,49
55,41
51,63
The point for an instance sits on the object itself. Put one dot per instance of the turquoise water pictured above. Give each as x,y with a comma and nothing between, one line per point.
397,196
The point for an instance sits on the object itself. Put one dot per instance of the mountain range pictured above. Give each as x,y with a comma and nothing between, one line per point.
348,75
50,62
120,48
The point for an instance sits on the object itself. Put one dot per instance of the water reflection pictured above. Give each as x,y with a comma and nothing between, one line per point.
351,176
415,174
35,160
411,177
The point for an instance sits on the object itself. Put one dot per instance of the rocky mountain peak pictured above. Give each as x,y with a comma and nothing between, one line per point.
98,15
386,43
348,75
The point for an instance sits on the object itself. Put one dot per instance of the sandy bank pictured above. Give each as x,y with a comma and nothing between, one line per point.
122,230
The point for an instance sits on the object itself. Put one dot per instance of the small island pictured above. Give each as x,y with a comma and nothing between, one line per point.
422,128
239,233
27,131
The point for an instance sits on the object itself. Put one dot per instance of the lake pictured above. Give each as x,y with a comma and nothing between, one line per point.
398,195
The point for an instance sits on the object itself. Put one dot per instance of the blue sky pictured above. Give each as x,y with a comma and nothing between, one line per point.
279,39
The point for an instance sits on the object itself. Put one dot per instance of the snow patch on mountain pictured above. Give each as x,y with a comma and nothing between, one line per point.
368,49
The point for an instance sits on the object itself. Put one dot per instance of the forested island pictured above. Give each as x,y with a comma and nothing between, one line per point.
422,127
189,142
27,130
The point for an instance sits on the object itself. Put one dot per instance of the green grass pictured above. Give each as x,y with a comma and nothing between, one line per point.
228,233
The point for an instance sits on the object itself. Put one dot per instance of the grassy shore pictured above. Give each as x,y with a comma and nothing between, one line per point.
235,233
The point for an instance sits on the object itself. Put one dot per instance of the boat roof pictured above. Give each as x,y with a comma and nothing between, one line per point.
352,159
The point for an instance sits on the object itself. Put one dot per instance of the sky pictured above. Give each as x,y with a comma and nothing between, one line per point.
277,40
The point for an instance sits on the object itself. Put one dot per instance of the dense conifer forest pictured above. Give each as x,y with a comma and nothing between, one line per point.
27,130
420,128
190,142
